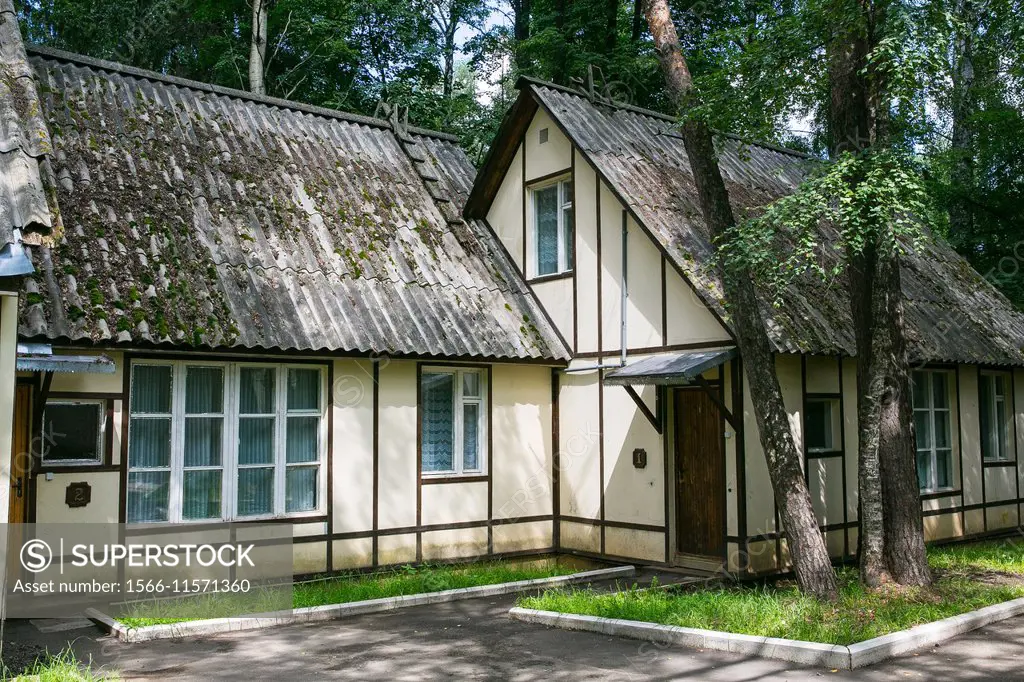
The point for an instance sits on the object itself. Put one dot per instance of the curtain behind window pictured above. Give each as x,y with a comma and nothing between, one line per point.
149,444
546,209
257,405
438,399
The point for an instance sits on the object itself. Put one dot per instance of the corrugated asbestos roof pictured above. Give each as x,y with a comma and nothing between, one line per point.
24,140
200,216
952,313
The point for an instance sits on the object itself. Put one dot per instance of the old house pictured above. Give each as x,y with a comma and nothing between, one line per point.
250,309
596,204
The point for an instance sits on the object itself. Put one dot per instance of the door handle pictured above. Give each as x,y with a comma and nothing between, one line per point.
17,485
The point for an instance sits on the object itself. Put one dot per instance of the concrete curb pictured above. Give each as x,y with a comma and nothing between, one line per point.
314,614
795,651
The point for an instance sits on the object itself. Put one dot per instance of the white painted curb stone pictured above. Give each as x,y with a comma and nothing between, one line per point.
806,653
213,626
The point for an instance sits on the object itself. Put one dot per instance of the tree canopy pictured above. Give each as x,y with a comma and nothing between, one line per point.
954,71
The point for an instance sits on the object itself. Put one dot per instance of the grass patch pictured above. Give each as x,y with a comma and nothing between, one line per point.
361,587
968,577
62,667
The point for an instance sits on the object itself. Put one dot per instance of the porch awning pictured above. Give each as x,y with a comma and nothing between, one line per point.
669,369
39,357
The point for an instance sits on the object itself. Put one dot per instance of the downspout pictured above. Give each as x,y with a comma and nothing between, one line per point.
625,288
623,300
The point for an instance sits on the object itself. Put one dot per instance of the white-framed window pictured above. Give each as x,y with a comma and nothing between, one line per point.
453,421
995,416
552,227
73,432
225,441
822,428
933,426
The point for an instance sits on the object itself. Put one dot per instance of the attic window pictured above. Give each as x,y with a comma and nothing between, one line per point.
552,227
543,135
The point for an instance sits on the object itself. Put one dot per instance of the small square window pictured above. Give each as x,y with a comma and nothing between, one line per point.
73,433
821,425
543,135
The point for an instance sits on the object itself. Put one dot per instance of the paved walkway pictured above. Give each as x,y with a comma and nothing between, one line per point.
475,639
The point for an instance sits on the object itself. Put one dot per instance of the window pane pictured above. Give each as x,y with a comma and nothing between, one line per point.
942,430
438,397
1002,431
986,400
256,390
204,390
301,489
546,210
72,432
471,384
920,386
255,491
303,389
924,468
256,440
149,443
302,439
923,429
201,499
471,436
203,441
940,389
944,468
567,236
566,186
148,495
151,389
818,425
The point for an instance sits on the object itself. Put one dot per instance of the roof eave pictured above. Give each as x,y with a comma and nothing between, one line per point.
502,151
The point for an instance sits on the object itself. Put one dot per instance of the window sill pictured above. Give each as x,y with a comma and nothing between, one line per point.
825,452
927,494
454,478
998,462
70,467
304,517
540,279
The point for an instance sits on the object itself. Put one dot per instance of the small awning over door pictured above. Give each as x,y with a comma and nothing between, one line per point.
669,369
39,357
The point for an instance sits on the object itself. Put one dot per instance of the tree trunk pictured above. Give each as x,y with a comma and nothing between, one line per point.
901,495
562,58
638,21
521,32
964,107
450,28
870,385
806,545
258,46
887,477
611,29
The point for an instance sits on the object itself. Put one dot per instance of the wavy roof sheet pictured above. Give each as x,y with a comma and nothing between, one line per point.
24,139
199,216
952,313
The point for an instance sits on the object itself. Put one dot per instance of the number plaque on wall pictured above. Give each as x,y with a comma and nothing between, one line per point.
78,494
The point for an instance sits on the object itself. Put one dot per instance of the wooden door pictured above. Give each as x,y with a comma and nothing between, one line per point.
21,456
700,474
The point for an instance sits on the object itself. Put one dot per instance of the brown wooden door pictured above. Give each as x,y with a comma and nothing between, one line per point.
700,474
21,457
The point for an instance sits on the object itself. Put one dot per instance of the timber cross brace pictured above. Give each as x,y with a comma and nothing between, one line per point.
655,417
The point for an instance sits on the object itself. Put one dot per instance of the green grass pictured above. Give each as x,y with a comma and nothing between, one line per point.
63,667
360,587
967,578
